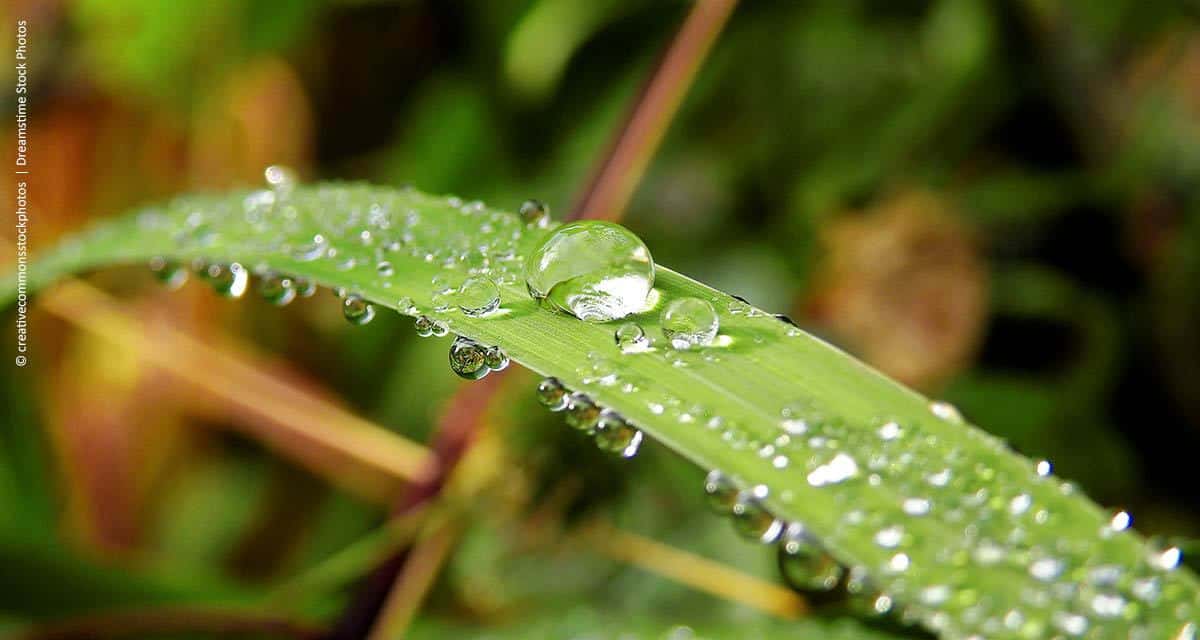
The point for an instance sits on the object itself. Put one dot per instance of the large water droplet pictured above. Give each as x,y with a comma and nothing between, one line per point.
478,296
468,359
689,322
169,272
804,564
597,271
551,394
357,310
614,434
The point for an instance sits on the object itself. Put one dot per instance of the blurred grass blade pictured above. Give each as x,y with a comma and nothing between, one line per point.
951,525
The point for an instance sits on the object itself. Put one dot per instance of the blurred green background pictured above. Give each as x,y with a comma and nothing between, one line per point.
993,201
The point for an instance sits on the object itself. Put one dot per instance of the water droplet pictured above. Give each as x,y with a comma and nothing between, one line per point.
889,431
281,179
304,287
427,326
614,434
597,271
496,359
1121,521
228,280
935,595
631,338
793,420
916,506
582,412
478,296
804,564
551,394
310,251
1070,623
1044,468
720,491
945,411
689,322
277,289
1046,569
169,272
357,310
468,359
899,563
842,467
752,520
535,213
889,537
1168,559
385,269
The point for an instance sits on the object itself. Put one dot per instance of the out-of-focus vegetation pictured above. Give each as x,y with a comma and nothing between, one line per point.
988,200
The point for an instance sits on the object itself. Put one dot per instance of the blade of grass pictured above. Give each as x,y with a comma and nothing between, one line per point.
945,520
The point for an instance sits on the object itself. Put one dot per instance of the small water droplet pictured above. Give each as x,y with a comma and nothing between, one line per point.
551,394
720,491
229,280
535,213
478,296
582,413
427,326
310,251
841,468
916,506
631,338
1044,468
803,564
596,271
1121,521
357,310
752,520
1046,569
169,272
889,537
689,322
945,411
281,179
277,289
304,287
385,269
614,434
468,358
496,359
889,431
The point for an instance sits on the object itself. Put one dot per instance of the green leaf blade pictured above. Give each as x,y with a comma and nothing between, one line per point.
963,534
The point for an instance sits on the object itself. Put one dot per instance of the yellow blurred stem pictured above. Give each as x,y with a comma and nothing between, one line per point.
408,592
349,451
694,571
